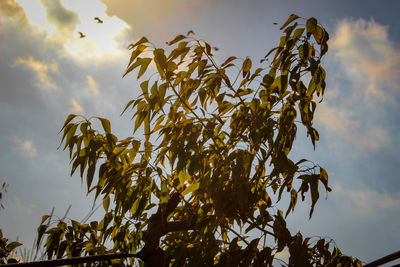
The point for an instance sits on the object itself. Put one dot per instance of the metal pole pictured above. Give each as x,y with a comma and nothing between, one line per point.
74,260
384,260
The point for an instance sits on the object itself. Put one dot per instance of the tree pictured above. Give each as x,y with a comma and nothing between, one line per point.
6,248
201,187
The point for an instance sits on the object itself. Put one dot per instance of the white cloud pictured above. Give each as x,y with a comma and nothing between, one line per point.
92,85
41,68
363,73
59,16
62,20
25,148
365,201
76,108
367,56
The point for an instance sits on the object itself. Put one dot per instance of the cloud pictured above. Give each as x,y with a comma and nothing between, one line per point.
151,18
76,108
13,12
367,55
41,67
363,78
364,201
59,16
93,86
25,148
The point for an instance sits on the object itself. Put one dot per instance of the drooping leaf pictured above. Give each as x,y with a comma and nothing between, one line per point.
246,66
311,25
143,66
141,41
176,39
106,203
106,125
229,60
291,18
11,246
68,120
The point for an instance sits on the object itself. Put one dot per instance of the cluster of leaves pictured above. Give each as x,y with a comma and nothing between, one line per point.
6,248
76,238
214,155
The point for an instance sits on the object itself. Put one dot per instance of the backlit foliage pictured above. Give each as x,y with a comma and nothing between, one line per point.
198,182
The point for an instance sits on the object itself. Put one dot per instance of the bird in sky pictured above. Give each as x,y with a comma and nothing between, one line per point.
190,32
81,35
98,20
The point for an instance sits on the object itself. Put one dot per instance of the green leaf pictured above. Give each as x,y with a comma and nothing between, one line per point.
291,18
311,25
90,174
191,188
282,83
176,39
164,193
44,218
318,34
230,59
298,33
160,60
136,53
41,230
246,66
137,63
11,246
69,118
106,203
71,132
106,125
305,51
143,67
145,89
314,191
141,41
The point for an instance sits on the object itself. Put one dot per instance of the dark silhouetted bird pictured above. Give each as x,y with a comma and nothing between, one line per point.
190,32
98,20
81,35
216,48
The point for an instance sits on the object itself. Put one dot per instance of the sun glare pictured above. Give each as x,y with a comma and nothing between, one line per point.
100,39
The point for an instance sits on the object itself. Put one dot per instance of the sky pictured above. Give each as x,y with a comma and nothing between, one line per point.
48,72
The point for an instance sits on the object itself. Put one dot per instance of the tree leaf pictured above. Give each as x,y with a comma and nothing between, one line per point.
141,41
106,125
191,188
106,203
143,66
291,18
69,118
246,66
230,59
44,218
176,39
311,25
11,246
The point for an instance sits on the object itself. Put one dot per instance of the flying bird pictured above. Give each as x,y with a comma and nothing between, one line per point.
190,32
81,35
98,20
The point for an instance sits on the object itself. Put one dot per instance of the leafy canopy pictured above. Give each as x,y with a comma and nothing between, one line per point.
200,185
